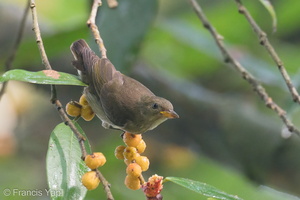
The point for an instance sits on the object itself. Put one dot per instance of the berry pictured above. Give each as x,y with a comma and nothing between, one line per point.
143,161
83,100
73,109
119,152
87,113
132,140
90,180
132,182
133,169
141,147
130,153
95,160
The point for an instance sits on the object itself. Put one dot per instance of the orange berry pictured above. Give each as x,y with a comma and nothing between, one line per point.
119,152
132,140
95,160
83,100
132,182
141,147
73,109
133,169
87,113
143,161
130,153
90,180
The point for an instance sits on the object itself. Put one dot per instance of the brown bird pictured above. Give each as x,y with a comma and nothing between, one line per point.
118,100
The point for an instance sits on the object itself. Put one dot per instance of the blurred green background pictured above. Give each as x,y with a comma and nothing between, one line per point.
225,136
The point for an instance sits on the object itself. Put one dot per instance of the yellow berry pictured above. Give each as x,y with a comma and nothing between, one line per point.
143,161
90,180
141,147
83,100
73,109
130,153
133,169
119,152
132,140
132,182
95,160
87,113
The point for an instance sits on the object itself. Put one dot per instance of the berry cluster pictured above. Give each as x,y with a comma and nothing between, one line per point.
81,108
131,154
90,179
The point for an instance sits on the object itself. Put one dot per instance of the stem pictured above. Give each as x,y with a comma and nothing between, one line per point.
91,22
228,58
263,39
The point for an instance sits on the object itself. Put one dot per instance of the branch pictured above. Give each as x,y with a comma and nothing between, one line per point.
47,65
11,57
91,22
262,36
106,185
57,103
228,58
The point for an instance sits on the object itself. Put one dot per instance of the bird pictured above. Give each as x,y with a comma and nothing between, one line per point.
119,101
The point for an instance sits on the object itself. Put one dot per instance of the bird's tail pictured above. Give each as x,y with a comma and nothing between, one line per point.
85,58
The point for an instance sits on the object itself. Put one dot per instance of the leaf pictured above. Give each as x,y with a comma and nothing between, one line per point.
64,164
202,188
42,77
271,10
124,27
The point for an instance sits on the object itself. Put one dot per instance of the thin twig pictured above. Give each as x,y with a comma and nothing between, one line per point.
56,102
47,65
38,36
142,180
91,22
106,185
263,39
258,88
11,57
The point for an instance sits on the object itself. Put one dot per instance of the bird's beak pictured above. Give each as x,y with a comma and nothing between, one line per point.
169,114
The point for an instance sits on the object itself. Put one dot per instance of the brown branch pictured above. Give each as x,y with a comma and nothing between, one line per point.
56,102
263,39
228,58
11,57
91,22
106,185
47,65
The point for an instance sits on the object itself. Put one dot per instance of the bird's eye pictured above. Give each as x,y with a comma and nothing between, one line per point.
155,106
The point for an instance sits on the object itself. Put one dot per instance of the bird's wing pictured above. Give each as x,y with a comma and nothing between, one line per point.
121,99
104,71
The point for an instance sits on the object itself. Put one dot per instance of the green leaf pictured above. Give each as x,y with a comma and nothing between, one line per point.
42,77
64,164
202,188
271,10
124,27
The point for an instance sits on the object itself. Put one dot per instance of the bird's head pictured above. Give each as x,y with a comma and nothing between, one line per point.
156,110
